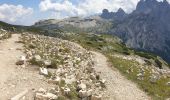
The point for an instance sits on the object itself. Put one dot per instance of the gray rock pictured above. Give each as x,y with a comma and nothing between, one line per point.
153,79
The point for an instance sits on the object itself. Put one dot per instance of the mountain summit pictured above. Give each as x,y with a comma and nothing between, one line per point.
119,15
147,28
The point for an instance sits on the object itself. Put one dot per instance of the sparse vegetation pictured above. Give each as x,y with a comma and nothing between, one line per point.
109,46
70,62
4,34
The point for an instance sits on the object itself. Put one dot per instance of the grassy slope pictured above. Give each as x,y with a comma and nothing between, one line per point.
108,45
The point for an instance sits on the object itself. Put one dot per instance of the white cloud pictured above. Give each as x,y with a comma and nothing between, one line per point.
64,8
12,13
85,7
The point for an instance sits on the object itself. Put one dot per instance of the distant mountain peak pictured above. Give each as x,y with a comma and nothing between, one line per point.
119,15
120,10
105,11
147,6
166,2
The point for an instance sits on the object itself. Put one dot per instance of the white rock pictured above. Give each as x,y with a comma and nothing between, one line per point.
22,58
37,57
89,92
47,62
51,96
41,90
82,86
92,76
66,91
103,81
168,83
43,71
153,79
83,93
70,79
48,96
11,49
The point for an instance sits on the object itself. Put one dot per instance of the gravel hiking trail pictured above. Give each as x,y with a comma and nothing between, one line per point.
118,87
16,79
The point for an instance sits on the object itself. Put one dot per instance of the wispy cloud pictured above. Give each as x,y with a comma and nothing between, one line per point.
13,13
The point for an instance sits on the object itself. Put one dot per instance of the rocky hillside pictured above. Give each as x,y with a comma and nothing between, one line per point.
147,28
94,24
65,64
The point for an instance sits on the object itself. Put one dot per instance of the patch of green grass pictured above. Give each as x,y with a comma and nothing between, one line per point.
61,98
73,95
159,90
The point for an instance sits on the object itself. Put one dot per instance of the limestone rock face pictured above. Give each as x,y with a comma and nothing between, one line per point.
147,28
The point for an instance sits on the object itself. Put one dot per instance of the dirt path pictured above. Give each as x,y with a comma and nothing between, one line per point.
15,79
118,87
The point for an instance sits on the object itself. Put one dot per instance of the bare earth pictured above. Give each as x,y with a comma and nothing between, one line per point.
118,87
15,79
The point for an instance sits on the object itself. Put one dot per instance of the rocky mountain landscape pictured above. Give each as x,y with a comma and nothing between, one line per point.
140,29
147,28
111,56
45,68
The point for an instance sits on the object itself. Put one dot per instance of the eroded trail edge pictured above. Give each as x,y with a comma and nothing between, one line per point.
118,87
15,79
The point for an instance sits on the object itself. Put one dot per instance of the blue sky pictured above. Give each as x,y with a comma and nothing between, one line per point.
27,12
